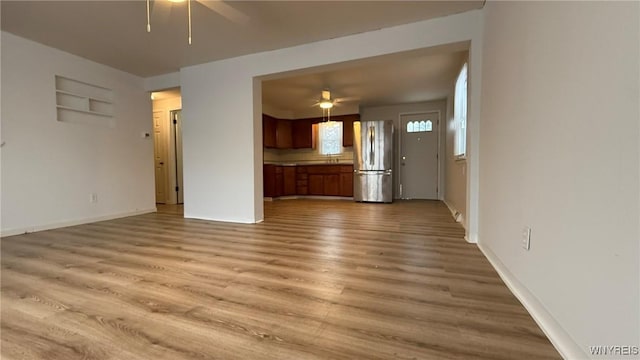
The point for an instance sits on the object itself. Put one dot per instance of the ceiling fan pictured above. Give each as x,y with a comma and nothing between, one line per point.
162,8
326,102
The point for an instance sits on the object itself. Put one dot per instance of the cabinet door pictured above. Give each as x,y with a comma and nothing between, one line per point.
269,180
347,129
269,126
331,185
283,134
289,180
302,180
346,184
316,186
301,134
279,181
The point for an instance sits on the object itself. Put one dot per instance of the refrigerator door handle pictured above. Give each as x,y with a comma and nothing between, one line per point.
372,138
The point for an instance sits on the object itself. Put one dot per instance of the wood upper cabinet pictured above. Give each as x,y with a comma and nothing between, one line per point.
301,134
283,134
269,126
289,180
347,128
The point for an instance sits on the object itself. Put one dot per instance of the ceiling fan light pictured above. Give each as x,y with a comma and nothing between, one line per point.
326,104
176,1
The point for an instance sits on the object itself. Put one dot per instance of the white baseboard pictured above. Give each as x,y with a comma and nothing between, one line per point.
61,224
457,216
560,339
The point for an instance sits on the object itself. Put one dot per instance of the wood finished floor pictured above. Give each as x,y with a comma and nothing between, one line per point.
317,280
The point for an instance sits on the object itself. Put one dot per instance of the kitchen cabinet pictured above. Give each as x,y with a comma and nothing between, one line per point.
331,185
316,184
301,134
347,128
279,181
269,180
283,134
346,181
288,180
269,126
319,180
302,180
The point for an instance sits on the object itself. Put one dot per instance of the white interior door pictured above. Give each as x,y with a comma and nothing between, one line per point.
419,156
160,156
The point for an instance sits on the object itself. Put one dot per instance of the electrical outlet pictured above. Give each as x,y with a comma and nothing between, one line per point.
526,238
93,197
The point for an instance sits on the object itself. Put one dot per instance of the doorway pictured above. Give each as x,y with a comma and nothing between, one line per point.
167,127
419,155
176,132
160,157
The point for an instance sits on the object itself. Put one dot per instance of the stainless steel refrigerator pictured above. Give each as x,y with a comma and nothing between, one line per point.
373,161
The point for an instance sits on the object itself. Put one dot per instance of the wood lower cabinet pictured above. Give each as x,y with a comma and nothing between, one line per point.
316,184
302,180
269,180
319,180
331,185
288,180
346,184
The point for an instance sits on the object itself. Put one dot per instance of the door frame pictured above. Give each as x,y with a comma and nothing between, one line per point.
174,148
440,187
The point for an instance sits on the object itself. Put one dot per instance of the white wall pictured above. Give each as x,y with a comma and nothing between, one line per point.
559,153
49,168
393,112
166,106
220,110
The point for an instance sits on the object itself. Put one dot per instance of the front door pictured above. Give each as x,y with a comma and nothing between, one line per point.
419,156
160,157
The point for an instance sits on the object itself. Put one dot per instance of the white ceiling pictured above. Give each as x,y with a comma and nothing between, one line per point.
401,78
114,33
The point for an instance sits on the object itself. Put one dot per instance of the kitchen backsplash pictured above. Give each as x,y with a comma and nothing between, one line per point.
305,156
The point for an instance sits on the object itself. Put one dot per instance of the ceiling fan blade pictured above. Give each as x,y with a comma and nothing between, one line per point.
160,11
346,99
226,10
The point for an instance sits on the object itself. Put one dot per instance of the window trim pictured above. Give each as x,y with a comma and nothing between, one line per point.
460,137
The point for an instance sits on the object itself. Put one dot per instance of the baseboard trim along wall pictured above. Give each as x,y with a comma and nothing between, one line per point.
457,216
57,225
560,339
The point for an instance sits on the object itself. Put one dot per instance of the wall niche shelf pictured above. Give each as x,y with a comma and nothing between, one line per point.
76,98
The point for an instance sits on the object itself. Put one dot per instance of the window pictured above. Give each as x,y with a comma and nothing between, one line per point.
330,133
419,126
460,115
